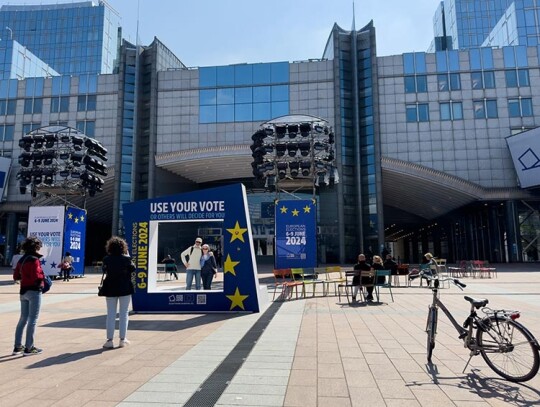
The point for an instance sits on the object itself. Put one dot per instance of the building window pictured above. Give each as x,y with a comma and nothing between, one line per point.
416,84
517,78
6,132
87,127
7,106
418,112
520,107
450,81
485,109
33,105
86,103
28,127
483,80
451,111
59,104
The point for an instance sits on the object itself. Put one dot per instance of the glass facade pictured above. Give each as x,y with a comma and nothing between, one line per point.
243,93
72,38
17,62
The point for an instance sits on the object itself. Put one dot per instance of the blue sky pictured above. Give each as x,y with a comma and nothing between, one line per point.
221,32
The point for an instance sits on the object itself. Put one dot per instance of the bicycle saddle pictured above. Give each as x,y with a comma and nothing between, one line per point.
477,302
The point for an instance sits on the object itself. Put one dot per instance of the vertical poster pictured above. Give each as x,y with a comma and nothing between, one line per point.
5,166
47,224
296,238
74,234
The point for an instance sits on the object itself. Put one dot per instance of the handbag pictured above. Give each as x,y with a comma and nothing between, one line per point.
47,283
101,288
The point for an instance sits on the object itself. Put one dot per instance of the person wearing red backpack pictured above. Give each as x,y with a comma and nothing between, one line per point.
30,274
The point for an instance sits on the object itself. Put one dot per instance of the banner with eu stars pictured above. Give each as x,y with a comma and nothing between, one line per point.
296,238
74,234
235,287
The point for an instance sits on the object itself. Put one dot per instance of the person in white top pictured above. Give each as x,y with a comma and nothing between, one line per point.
191,257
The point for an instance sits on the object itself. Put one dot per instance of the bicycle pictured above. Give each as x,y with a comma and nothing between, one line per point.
508,348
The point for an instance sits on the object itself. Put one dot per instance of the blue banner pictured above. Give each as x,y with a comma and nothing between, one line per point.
74,237
217,209
296,234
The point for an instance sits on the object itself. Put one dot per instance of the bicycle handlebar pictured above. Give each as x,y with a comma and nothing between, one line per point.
454,281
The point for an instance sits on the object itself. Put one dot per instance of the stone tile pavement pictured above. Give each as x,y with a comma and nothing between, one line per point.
314,352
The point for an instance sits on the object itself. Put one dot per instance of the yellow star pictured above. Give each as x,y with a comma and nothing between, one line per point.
76,220
229,265
307,209
70,215
237,233
237,300
295,212
82,218
283,209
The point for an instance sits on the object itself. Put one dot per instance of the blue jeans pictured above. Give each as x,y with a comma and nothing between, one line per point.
123,315
30,305
189,279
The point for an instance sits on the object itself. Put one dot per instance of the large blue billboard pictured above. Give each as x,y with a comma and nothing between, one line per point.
296,234
74,237
151,222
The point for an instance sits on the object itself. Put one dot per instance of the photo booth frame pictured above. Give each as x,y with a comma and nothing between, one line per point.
241,290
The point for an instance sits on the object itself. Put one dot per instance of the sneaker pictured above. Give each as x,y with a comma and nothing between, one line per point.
123,342
32,351
18,350
109,344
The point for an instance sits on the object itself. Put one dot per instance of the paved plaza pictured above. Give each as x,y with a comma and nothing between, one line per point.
306,352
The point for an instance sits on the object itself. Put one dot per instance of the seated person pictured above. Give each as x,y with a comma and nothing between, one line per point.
362,265
390,264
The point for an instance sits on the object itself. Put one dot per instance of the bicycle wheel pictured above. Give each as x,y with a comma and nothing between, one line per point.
431,330
508,349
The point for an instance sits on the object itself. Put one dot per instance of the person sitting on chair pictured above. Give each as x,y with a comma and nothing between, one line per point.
362,265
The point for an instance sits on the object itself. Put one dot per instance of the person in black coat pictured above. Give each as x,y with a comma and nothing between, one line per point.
118,286
362,265
208,267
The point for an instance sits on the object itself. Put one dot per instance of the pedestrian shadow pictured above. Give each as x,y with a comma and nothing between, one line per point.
66,358
143,322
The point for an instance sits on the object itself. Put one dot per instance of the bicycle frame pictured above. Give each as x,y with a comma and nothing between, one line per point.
437,303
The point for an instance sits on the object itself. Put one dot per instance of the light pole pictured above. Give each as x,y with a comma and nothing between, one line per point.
10,32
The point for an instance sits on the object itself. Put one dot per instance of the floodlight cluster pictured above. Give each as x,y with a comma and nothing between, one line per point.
59,158
294,150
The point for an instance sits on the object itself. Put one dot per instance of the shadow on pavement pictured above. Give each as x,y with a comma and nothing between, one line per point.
66,358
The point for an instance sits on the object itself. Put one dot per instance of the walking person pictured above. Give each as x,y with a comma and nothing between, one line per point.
191,257
208,267
30,274
170,266
118,286
67,266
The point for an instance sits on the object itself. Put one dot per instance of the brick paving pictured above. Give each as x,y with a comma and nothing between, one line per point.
314,352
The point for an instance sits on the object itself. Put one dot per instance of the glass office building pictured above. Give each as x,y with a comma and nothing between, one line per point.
72,38
419,140
462,24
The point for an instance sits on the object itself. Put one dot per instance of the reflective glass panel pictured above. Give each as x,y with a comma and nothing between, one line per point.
261,73
420,62
509,58
457,111
440,57
279,72
474,59
511,78
453,61
491,108
423,112
28,106
261,111
207,114
225,75
207,76
280,93
523,77
455,81
243,113
243,74
280,109
225,113
408,63
411,113
410,84
207,97
445,111
521,56
526,107
476,80
442,81
225,97
261,94
487,58
513,108
489,79
478,109
421,83
243,95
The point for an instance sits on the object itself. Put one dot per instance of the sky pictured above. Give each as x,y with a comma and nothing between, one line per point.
223,32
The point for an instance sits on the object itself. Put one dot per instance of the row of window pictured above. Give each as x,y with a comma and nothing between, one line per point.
482,109
480,80
58,104
7,131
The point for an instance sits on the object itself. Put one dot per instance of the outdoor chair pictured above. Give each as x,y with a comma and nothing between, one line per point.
386,283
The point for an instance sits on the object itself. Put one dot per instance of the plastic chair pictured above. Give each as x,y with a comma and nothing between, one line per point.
282,278
386,282
311,277
334,276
